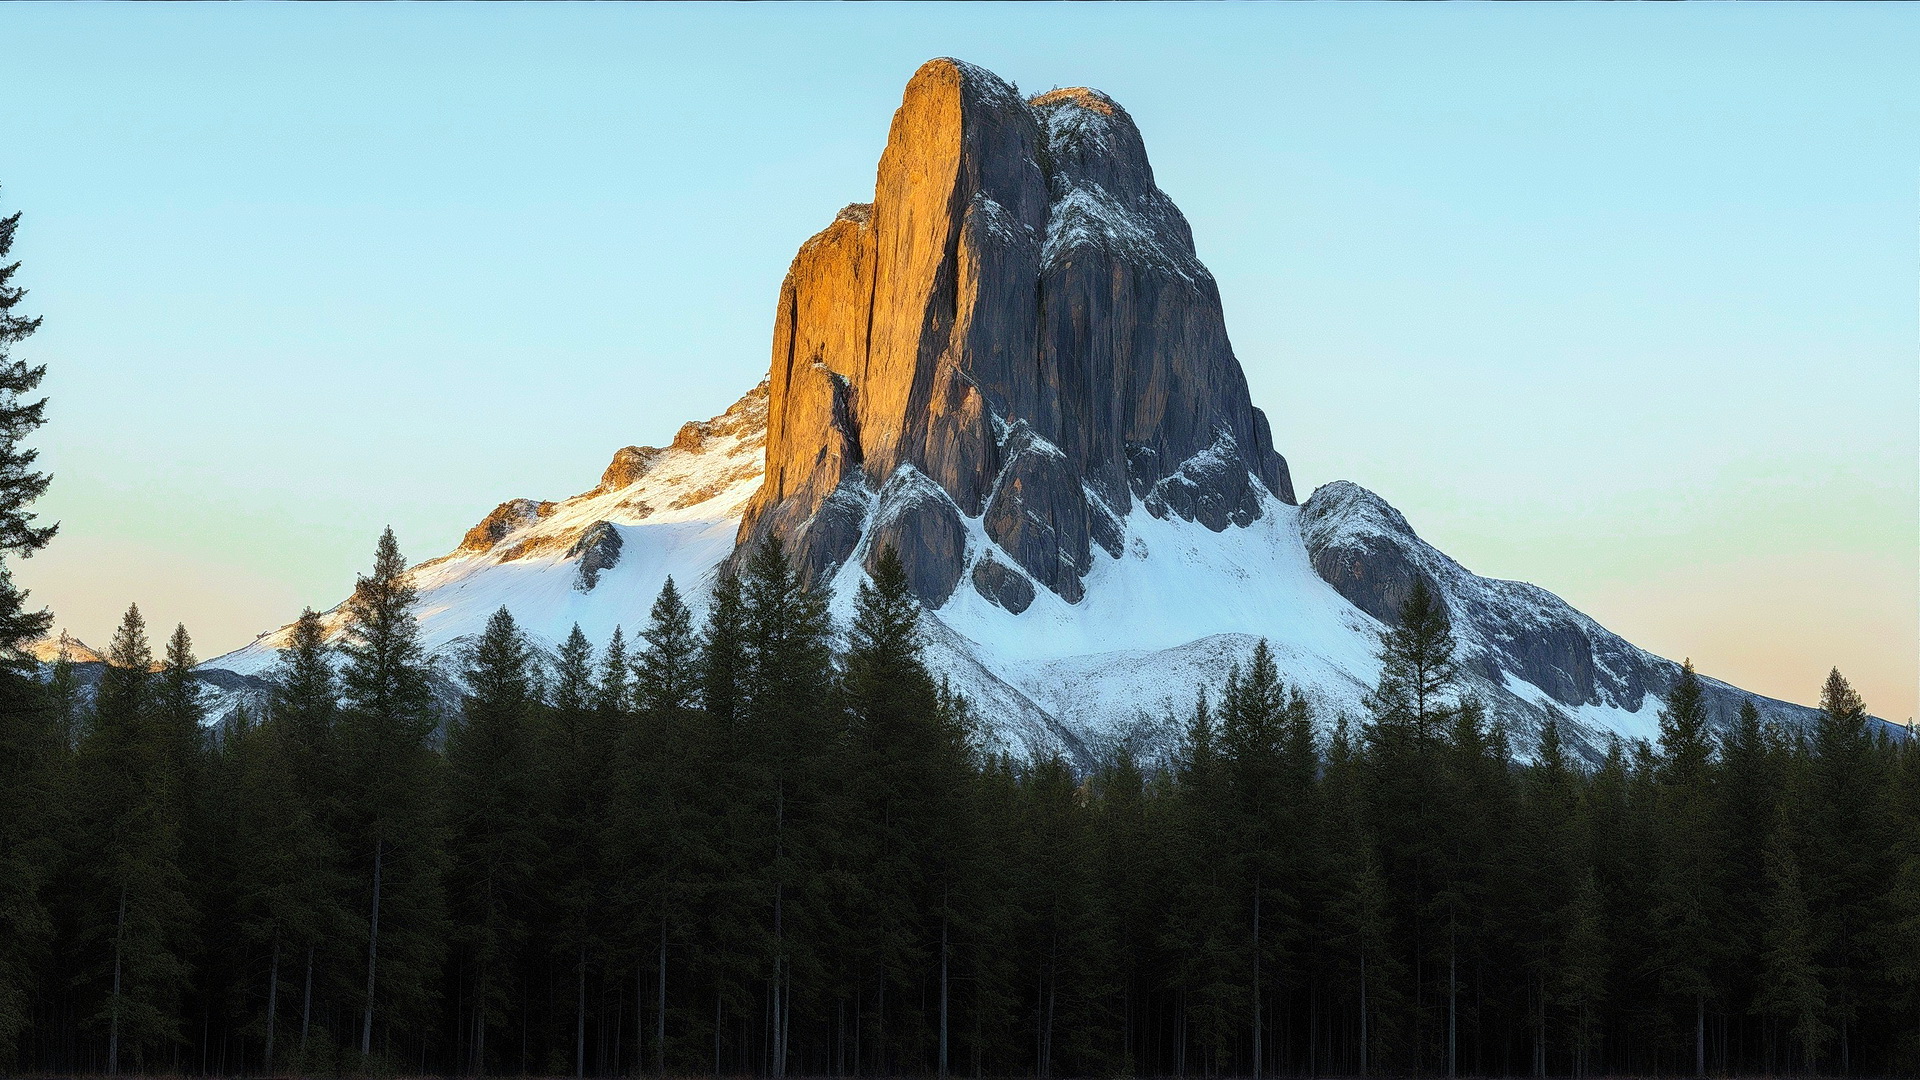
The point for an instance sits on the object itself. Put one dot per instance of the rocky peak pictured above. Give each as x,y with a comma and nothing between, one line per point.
505,518
49,649
629,464
1019,317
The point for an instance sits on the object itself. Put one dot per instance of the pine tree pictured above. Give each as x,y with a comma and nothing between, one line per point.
1552,872
663,838
180,710
1267,741
911,829
1209,930
1688,911
731,901
1418,668
302,825
1747,797
390,780
574,758
20,483
139,915
1405,778
723,659
33,745
494,839
284,884
1791,986
1846,857
1359,923
787,817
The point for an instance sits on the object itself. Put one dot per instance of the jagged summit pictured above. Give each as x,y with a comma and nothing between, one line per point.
1020,318
1012,366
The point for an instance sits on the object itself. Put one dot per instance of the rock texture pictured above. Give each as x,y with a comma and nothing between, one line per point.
597,549
1509,632
1019,318
505,518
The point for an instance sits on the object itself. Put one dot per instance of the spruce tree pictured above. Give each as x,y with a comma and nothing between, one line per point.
1687,915
138,919
910,829
32,745
390,780
789,814
494,838
1417,664
574,758
1791,989
665,810
1748,797
1845,857
1406,777
20,483
301,828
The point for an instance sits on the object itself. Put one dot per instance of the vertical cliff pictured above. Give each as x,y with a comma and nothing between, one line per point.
1016,330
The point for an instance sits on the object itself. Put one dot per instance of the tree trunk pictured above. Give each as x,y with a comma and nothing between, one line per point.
113,1023
580,1022
1363,1012
660,1021
1699,1035
1453,987
943,987
1257,1054
373,953
273,1000
480,1030
306,1005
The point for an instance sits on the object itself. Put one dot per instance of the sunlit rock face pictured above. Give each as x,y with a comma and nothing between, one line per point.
1018,317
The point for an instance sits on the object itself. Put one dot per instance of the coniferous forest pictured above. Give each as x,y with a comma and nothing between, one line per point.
757,845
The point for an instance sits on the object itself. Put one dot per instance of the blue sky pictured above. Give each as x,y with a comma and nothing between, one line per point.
1616,299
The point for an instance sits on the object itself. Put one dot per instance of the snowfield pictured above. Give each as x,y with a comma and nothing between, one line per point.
1159,624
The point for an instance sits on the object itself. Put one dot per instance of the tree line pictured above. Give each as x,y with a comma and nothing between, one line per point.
732,849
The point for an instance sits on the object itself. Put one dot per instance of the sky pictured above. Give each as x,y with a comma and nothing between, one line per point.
1623,300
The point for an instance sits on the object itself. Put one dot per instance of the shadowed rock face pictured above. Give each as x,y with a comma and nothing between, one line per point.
1020,318
597,549
1365,549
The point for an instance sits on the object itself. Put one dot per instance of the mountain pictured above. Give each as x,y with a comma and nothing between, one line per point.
1012,367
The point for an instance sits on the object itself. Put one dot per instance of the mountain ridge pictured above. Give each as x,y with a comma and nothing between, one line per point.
1012,367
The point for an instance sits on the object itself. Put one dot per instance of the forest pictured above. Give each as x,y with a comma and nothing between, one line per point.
734,849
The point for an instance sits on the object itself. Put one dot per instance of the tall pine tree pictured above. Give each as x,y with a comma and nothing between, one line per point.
390,779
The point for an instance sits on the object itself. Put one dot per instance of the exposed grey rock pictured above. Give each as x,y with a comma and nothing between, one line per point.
1211,487
1038,514
1017,268
1002,584
918,519
825,540
1508,632
597,549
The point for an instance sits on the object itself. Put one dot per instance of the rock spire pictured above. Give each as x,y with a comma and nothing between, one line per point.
1015,332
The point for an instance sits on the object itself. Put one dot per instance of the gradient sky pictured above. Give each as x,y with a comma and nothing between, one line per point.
1618,299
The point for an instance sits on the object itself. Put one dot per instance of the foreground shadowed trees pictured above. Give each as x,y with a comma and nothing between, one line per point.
736,850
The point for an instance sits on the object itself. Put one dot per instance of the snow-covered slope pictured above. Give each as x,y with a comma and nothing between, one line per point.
597,559
1158,623
1012,367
